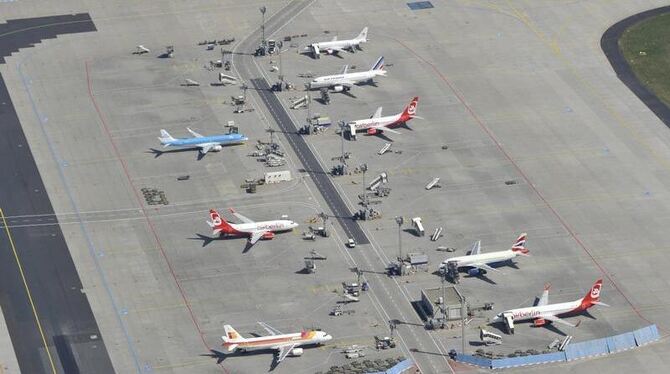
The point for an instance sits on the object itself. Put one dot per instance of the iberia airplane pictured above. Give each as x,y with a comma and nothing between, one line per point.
285,344
542,311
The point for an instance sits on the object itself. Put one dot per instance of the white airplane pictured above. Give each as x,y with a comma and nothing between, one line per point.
336,46
348,298
478,263
227,79
190,82
377,124
141,50
345,80
542,311
285,344
254,230
204,143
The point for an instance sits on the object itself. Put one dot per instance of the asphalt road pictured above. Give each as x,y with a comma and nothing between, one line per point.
610,45
40,291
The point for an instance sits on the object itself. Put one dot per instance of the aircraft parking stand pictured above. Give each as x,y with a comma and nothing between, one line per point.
518,92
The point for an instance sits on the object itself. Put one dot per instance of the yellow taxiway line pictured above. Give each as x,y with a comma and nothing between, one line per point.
30,297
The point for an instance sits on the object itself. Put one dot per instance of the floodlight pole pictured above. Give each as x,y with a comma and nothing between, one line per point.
399,220
263,9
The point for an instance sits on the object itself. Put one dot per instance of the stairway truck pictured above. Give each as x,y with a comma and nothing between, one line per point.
418,226
509,322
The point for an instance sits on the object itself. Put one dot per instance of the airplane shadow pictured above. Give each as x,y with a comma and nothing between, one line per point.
206,240
482,277
220,356
382,136
399,322
157,152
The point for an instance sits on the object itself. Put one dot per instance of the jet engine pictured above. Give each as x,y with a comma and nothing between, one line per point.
217,148
538,322
268,235
372,131
476,271
338,88
295,352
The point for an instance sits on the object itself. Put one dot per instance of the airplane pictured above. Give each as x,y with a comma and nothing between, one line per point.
141,50
190,82
285,344
542,312
336,46
349,298
478,263
204,143
254,230
225,79
344,81
377,124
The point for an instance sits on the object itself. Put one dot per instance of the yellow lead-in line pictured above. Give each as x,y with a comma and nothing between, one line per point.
30,297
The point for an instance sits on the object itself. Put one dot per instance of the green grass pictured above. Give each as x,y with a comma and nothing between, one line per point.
646,47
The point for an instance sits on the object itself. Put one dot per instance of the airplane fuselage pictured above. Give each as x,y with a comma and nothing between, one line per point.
388,121
485,258
337,44
347,78
228,139
271,226
530,313
275,341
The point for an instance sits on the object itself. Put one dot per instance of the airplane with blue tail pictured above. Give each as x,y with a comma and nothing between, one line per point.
204,143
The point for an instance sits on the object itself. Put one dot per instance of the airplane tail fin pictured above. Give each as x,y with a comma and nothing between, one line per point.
593,297
231,338
218,223
363,36
379,65
519,246
165,137
410,110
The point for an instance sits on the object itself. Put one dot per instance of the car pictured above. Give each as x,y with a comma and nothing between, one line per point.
351,243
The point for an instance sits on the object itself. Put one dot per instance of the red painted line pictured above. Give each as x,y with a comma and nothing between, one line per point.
525,177
144,212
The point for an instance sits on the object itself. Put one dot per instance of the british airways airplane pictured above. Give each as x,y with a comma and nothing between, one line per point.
204,143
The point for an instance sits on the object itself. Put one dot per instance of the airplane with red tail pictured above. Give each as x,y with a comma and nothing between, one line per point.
285,344
377,124
542,312
254,230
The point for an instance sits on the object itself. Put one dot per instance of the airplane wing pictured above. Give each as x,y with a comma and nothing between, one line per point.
271,330
544,298
390,130
334,38
195,134
206,147
378,113
485,267
476,248
241,217
344,68
284,351
553,318
256,236
335,50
